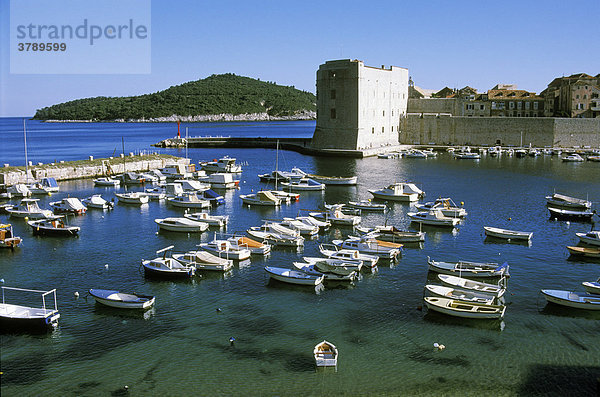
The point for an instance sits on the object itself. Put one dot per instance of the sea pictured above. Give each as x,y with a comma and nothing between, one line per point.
384,334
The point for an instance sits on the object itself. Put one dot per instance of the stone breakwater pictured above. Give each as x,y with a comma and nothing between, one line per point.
303,115
87,168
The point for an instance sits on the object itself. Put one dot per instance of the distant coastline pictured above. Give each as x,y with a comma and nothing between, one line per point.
304,115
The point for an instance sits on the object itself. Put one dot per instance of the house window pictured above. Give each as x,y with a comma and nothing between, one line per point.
333,113
527,105
535,105
481,107
333,94
519,105
511,105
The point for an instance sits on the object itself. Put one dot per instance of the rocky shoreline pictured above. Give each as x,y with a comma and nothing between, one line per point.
303,115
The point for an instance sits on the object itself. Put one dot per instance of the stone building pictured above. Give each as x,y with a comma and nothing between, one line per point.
359,107
573,96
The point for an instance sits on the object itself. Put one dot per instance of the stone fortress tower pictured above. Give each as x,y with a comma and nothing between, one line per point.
359,107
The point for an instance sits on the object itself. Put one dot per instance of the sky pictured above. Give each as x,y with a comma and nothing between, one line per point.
441,43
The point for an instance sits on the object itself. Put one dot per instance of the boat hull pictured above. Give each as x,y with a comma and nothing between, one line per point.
12,318
507,234
569,299
293,277
586,252
463,309
592,287
139,302
405,198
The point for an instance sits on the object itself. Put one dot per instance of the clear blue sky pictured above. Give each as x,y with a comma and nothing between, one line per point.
442,43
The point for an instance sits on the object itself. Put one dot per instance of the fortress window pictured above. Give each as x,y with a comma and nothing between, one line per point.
333,115
384,113
392,128
332,94
372,130
382,129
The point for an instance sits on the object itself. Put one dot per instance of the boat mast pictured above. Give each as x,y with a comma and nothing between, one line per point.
26,161
276,163
186,142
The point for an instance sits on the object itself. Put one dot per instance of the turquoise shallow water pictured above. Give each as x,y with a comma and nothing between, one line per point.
181,347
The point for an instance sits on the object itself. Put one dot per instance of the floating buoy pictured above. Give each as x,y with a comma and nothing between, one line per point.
218,310
76,294
1,280
231,341
510,219
106,266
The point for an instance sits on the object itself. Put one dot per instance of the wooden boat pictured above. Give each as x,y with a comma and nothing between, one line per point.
561,200
584,251
107,181
167,266
592,237
371,246
496,290
367,205
137,198
469,269
224,249
399,191
446,205
55,227
328,180
459,294
96,201
122,300
189,200
572,299
592,287
68,205
204,260
433,217
29,208
7,237
326,354
212,220
561,213
391,234
507,234
177,224
14,316
263,197
332,273
255,247
293,276
456,308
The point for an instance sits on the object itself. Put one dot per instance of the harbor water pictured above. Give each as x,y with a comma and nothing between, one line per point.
384,334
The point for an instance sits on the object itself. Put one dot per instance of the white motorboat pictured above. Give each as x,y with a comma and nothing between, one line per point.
137,198
433,217
192,186
293,276
328,180
467,155
212,220
285,197
18,190
46,185
304,184
55,226
222,180
367,205
572,299
224,249
399,191
303,228
446,205
224,164
122,300
281,176
276,239
326,354
496,290
176,171
459,294
469,269
29,208
263,197
592,237
68,205
204,260
371,246
190,200
392,234
592,287
330,272
563,201
507,234
255,247
132,178
456,308
96,201
18,316
572,158
309,220
156,193
37,188
336,216
331,263
584,251
7,237
167,266
415,154
107,182
348,255
179,224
